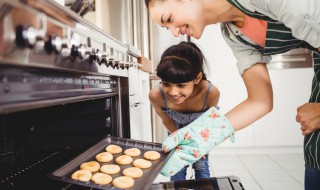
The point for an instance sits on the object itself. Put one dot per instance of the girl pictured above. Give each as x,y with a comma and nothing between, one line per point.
183,94
254,30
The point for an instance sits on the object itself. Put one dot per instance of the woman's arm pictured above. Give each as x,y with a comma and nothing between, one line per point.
156,101
259,101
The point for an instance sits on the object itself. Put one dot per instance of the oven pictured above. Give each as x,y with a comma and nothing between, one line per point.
64,87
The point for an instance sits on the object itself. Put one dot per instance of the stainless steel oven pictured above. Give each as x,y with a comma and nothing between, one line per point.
64,87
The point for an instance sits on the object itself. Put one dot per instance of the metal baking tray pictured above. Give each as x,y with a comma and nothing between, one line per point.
64,173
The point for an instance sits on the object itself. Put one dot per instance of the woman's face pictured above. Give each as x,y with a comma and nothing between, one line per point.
177,92
179,16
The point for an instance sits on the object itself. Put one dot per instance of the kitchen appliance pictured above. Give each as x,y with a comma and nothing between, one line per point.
64,87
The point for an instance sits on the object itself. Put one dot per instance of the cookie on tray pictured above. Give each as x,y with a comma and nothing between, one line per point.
114,149
142,163
92,166
124,160
123,182
133,172
151,155
132,152
101,178
110,169
104,157
82,175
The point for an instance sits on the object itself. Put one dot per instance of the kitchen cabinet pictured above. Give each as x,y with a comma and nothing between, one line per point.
140,116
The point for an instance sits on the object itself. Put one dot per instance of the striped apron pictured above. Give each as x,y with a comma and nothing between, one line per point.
279,39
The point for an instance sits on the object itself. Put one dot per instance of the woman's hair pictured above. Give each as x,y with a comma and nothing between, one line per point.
148,2
181,63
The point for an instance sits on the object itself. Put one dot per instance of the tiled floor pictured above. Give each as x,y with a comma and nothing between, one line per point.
263,171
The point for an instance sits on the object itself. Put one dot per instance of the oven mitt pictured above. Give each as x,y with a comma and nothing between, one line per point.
195,140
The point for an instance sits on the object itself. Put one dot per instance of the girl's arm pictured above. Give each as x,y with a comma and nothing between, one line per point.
259,101
156,101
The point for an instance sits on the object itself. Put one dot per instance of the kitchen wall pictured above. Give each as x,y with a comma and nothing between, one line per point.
291,89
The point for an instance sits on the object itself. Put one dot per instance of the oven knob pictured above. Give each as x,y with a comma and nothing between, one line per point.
65,51
53,44
75,51
25,36
103,59
95,56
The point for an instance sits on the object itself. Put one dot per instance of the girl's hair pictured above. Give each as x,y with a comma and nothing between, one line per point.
181,63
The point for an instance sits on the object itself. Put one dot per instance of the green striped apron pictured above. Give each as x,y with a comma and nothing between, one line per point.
279,39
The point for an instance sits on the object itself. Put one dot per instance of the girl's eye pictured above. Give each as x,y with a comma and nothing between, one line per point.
169,20
181,85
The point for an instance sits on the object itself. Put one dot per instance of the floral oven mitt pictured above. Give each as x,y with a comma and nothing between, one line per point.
195,140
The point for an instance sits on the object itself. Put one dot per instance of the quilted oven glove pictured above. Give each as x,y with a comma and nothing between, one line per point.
195,140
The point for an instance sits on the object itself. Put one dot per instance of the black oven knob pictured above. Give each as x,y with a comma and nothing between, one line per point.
74,52
103,59
53,44
95,55
25,36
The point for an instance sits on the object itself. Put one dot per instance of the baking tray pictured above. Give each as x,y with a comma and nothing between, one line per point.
64,173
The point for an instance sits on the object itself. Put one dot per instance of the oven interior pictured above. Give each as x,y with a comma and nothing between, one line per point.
35,142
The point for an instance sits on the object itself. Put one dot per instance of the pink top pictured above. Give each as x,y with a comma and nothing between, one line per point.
255,30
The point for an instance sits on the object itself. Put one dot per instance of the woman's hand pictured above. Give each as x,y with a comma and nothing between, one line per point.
196,140
308,115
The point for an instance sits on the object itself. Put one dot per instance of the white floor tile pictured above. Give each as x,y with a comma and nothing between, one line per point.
271,175
224,158
291,165
227,166
261,165
297,174
286,157
281,185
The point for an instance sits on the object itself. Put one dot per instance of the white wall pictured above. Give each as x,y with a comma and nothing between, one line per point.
291,89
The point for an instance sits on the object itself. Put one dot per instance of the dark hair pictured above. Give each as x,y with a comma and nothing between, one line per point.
181,63
147,2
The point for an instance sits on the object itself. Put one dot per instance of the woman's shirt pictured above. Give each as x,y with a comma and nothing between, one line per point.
303,21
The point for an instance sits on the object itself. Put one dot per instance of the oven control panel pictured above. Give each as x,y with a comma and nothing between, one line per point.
42,33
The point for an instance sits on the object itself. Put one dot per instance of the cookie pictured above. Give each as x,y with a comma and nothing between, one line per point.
123,182
101,178
124,159
110,169
113,149
142,163
151,155
133,172
82,175
132,152
92,166
104,157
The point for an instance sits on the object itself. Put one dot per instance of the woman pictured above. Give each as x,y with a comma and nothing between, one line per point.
254,30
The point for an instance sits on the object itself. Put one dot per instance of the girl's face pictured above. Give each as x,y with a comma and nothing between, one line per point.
179,16
177,92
